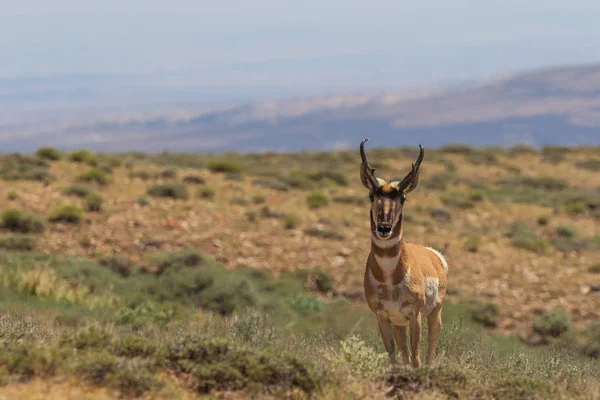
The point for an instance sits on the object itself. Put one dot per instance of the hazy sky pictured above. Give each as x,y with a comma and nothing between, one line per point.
295,47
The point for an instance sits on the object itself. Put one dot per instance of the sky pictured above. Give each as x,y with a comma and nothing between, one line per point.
252,49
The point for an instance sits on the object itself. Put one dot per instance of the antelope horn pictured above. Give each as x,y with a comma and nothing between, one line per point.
367,176
412,178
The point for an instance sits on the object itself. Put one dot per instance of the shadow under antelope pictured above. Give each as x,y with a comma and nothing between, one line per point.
403,281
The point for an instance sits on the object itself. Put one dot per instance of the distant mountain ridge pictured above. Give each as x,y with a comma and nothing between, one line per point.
558,106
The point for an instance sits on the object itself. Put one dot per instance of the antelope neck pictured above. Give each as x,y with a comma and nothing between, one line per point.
386,254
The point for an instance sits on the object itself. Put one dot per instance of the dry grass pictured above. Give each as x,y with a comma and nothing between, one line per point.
521,282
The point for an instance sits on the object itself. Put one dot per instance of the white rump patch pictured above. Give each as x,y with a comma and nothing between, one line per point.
441,257
431,295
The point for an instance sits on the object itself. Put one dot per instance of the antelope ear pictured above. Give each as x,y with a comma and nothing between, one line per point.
413,184
411,180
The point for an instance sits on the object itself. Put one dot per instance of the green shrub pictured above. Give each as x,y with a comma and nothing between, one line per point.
78,190
543,220
218,365
143,201
322,280
20,167
206,192
224,166
477,195
472,244
173,190
21,221
457,149
94,175
194,180
67,213
306,305
274,184
258,199
25,360
591,340
177,260
522,388
252,328
93,202
485,313
132,381
17,243
290,221
363,360
168,173
553,323
12,195
133,346
91,337
592,164
144,314
120,265
49,153
554,154
316,200
524,237
143,175
566,231
594,269
83,156
576,207
453,382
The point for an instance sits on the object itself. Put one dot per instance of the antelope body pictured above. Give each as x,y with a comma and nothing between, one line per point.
403,282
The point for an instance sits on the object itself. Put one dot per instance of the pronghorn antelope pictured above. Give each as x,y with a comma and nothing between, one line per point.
403,281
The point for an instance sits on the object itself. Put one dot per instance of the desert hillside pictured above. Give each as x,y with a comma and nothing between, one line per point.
554,106
182,275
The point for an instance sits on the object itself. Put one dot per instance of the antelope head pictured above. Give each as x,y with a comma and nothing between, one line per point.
387,198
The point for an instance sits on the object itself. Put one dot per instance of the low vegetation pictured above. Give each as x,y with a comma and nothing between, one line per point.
21,221
224,166
49,153
95,175
93,202
132,302
553,323
172,190
83,156
67,213
317,200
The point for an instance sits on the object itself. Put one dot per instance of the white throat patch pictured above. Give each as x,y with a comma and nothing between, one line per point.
386,244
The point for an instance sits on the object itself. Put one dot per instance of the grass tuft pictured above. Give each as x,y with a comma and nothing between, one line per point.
172,190
67,213
21,221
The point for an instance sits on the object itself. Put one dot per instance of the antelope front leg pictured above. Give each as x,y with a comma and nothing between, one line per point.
415,338
385,328
434,326
402,342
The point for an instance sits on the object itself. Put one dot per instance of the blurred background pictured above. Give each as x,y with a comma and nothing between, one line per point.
201,76
181,212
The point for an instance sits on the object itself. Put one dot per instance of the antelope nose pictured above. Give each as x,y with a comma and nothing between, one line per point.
384,229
